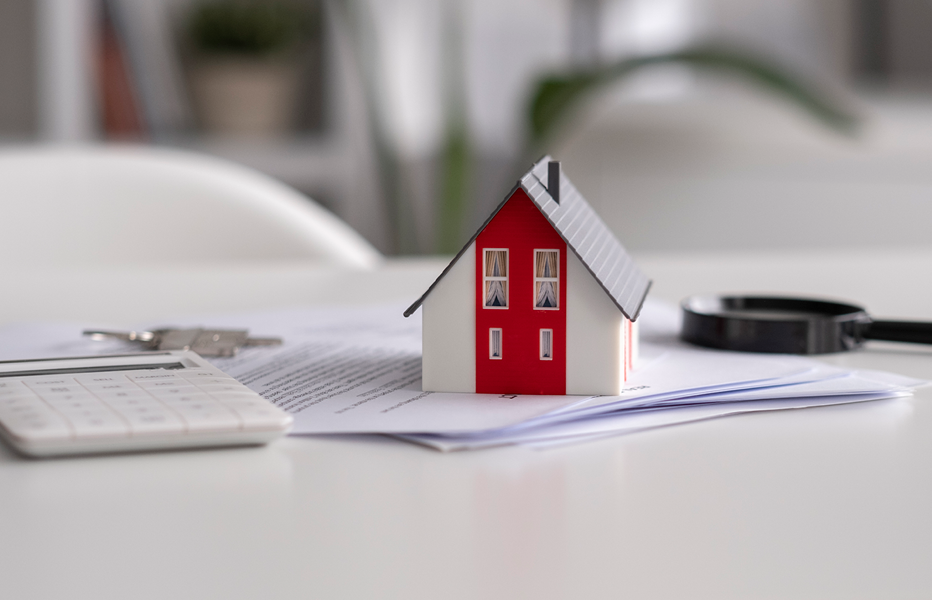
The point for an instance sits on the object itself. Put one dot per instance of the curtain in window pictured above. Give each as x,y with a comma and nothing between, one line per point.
546,343
495,343
496,264
546,294
495,293
545,267
496,272
546,264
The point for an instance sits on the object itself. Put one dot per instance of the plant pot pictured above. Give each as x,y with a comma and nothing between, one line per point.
245,96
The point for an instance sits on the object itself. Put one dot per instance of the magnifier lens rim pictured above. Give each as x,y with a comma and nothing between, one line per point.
784,307
796,325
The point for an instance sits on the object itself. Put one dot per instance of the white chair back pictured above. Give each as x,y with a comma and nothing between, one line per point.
119,205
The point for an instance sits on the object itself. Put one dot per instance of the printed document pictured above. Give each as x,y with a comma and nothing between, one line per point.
358,370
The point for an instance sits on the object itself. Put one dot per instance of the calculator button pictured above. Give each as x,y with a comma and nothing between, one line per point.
110,386
80,406
19,409
236,388
74,391
244,402
71,394
233,398
259,415
192,402
173,392
77,406
207,416
100,379
10,401
117,403
183,399
150,419
81,412
150,376
199,372
48,381
237,400
225,399
208,378
44,426
51,390
164,383
97,423
23,392
64,401
132,392
12,387
217,381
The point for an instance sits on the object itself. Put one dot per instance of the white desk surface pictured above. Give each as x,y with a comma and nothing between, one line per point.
821,503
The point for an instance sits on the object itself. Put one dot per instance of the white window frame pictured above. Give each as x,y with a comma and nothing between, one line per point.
486,278
542,279
542,331
501,343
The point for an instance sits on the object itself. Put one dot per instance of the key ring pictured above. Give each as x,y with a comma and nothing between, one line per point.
129,336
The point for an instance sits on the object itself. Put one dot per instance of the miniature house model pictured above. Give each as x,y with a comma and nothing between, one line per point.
542,300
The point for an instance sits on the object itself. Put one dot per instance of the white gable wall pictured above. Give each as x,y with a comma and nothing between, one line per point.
449,338
595,335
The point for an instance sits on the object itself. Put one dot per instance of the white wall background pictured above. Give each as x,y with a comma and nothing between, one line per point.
672,160
679,161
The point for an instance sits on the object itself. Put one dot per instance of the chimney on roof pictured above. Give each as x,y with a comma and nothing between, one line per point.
553,180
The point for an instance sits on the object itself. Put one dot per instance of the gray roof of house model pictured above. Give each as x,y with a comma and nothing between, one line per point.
584,233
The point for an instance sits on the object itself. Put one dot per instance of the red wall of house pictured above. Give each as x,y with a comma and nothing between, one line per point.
520,227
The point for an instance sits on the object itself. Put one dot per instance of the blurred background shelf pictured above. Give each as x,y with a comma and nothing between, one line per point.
673,158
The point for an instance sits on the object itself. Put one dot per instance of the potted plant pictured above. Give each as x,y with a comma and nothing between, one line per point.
245,64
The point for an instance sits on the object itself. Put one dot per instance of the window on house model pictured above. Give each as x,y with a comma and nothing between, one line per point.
546,344
546,278
495,344
495,275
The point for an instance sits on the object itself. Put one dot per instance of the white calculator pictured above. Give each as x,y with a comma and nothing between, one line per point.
130,402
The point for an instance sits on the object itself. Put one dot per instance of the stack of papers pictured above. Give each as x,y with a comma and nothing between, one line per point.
358,370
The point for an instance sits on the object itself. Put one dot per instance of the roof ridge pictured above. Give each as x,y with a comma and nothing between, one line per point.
629,286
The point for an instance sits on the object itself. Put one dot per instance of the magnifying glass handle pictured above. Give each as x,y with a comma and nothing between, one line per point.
915,332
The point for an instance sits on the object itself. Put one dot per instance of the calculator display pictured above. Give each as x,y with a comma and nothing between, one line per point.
65,370
90,364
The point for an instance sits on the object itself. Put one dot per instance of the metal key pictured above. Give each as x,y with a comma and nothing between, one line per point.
206,342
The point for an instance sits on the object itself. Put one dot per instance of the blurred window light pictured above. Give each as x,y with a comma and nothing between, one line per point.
805,35
408,56
509,43
646,26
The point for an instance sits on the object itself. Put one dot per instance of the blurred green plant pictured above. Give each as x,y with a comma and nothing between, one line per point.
258,28
556,96
456,160
456,189
552,103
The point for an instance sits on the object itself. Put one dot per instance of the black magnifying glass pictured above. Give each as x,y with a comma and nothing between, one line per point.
789,325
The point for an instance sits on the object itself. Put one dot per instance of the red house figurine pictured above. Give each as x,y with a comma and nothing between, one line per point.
542,300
